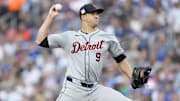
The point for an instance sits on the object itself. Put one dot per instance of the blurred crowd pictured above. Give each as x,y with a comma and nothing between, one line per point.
147,29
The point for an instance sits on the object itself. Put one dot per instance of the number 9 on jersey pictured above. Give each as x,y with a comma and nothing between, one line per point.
98,55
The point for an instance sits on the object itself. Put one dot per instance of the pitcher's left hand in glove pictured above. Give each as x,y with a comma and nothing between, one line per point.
140,76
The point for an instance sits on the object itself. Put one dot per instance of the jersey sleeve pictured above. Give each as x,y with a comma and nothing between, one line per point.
114,47
57,40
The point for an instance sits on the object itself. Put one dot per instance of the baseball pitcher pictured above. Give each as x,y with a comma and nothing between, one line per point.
86,49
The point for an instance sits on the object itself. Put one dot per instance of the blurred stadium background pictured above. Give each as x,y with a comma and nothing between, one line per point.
149,31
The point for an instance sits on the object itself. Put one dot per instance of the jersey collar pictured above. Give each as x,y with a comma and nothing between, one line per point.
97,30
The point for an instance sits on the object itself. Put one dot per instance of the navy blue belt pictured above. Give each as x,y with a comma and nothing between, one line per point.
82,83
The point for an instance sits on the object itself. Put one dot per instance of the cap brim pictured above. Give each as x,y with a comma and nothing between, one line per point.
99,11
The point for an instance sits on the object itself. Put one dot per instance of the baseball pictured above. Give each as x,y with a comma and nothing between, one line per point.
58,7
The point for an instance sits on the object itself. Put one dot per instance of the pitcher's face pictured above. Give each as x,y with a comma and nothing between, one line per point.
92,19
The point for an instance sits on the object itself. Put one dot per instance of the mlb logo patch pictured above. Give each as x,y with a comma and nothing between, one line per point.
83,11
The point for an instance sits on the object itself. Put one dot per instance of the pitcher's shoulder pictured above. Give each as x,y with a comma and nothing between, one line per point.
70,32
64,32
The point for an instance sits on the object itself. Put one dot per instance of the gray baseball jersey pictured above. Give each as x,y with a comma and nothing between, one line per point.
86,55
86,52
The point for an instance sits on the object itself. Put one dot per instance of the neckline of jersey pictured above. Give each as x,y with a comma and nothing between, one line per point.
89,33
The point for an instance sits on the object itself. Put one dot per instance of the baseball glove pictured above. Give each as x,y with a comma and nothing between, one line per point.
140,76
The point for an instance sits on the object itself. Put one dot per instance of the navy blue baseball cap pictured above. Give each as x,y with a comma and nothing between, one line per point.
89,8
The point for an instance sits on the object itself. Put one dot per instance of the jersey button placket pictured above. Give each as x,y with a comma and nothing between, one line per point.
87,62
